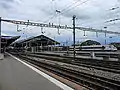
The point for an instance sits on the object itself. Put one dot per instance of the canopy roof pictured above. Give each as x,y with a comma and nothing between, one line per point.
7,40
37,41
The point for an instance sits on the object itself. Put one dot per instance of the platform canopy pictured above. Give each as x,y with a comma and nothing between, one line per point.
36,41
7,40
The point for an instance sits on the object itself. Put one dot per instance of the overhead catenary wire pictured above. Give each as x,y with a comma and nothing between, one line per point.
81,3
113,8
54,13
67,9
61,10
70,5
116,7
51,25
64,10
111,20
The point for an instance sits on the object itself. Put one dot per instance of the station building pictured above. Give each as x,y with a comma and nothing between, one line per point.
36,44
6,41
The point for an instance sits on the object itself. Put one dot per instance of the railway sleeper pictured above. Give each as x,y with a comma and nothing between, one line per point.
77,63
77,77
109,80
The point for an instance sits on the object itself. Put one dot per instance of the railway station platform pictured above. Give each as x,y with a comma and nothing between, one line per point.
18,75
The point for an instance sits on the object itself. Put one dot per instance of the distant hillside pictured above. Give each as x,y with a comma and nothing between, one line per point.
90,42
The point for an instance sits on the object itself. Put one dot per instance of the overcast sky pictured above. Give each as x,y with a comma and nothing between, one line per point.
89,13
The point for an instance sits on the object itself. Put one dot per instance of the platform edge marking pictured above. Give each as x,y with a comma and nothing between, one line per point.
53,80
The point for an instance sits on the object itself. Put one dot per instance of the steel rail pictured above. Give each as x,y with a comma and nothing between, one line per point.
93,64
75,76
98,64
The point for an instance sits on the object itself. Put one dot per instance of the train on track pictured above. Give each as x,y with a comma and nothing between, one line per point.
99,48
94,48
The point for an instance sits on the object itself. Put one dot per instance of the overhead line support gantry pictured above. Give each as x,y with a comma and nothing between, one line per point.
51,25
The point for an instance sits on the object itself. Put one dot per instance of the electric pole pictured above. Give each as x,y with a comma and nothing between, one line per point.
74,36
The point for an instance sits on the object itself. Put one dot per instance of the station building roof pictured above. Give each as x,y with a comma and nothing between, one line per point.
36,41
7,40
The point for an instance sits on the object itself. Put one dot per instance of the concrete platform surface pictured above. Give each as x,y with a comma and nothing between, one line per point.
16,76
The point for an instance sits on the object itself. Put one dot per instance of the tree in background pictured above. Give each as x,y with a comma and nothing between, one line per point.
117,45
90,42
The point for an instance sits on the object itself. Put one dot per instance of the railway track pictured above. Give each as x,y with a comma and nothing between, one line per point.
90,80
111,66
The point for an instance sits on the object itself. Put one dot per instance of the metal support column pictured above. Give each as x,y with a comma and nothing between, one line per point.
105,34
74,36
0,34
